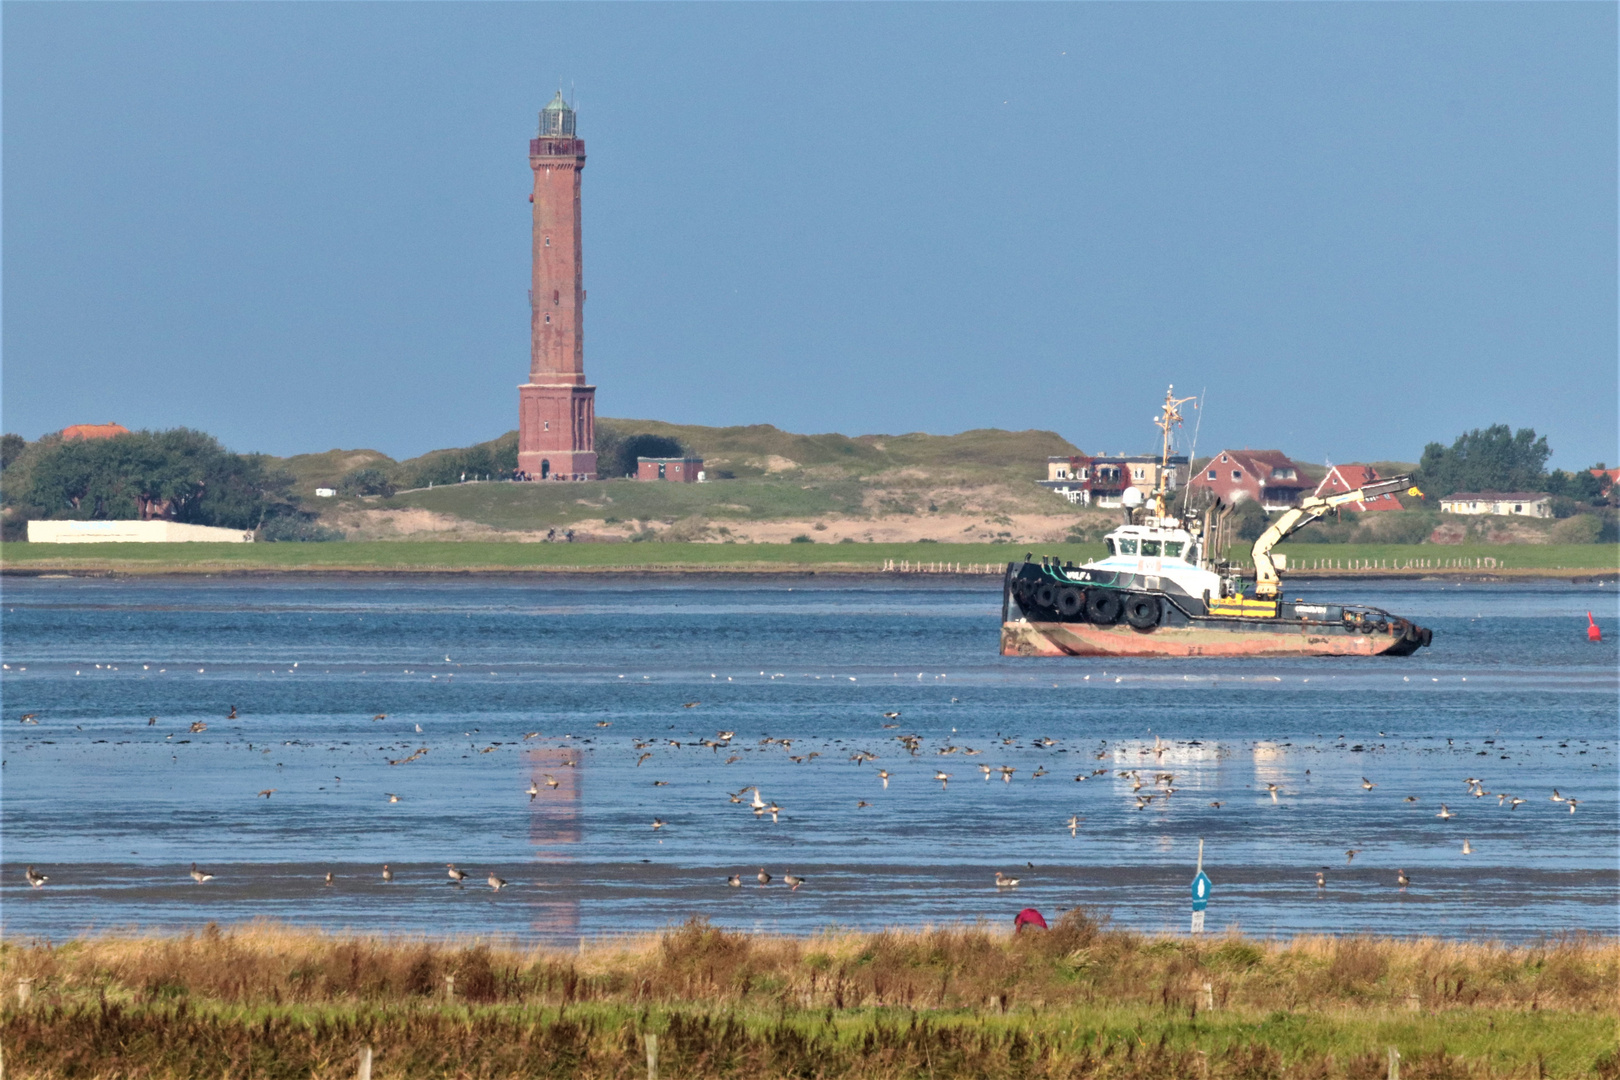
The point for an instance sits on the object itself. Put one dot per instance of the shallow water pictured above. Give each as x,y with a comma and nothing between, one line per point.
115,808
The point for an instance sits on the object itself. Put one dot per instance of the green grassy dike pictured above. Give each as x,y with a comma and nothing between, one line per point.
495,557
1077,1001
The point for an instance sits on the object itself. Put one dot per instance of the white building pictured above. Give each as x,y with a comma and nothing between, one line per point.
1536,504
132,532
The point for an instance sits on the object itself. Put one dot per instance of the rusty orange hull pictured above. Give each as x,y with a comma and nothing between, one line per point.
1223,638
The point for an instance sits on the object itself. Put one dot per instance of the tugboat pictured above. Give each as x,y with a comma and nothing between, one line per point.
1163,590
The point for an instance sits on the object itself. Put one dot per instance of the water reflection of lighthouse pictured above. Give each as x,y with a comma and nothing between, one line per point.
554,825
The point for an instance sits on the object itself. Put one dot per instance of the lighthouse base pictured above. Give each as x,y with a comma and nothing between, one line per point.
556,432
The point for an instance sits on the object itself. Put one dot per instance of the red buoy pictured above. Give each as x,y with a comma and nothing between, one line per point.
1592,631
1028,917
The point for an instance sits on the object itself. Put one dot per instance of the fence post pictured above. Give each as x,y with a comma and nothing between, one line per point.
1394,1064
1209,995
25,991
449,988
652,1056
364,1071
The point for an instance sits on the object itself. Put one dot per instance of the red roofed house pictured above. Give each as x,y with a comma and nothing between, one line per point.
1342,478
1266,476
94,431
1606,477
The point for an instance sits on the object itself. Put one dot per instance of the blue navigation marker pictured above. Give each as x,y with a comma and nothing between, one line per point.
1200,891
1201,886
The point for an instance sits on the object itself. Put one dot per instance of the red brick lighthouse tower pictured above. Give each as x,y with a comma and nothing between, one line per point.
556,409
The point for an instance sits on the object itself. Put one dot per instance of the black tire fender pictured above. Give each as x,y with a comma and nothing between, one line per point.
1143,612
1070,601
1045,594
1102,606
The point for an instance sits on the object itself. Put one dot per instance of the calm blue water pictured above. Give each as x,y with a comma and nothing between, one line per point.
114,808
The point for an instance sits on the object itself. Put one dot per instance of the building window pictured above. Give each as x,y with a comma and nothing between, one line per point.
1212,474
1237,474
548,320
546,426
1136,474
548,241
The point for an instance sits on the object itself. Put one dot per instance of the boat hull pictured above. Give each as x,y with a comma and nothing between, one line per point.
1205,638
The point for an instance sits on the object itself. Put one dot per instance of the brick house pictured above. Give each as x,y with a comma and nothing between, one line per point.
680,470
1342,478
1266,476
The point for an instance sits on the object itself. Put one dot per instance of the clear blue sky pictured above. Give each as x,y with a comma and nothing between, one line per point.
1361,226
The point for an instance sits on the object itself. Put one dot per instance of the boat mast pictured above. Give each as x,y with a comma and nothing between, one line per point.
1170,418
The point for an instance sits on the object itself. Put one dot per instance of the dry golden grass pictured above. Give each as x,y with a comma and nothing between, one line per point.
1080,1000
1079,961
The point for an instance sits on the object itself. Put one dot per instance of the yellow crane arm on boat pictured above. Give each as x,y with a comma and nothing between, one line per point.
1267,583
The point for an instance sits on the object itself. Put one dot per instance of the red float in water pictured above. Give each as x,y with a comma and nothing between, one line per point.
1592,631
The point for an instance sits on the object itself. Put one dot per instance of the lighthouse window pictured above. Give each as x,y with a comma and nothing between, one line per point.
1150,548
1172,549
1127,547
548,320
548,241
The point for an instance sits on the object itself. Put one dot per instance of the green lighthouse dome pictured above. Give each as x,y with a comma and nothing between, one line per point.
557,119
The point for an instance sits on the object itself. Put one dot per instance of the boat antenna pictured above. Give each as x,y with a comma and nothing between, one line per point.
1166,422
1192,453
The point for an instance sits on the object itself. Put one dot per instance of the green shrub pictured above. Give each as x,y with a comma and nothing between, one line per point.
367,482
296,528
802,538
1580,529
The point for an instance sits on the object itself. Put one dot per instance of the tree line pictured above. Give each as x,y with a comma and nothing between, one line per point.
176,475
1500,459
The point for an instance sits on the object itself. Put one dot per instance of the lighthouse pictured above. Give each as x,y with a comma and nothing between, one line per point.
556,408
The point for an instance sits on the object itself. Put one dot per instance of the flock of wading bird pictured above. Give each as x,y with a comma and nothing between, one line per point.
1163,787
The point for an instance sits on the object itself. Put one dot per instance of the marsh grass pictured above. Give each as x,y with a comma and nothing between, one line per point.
468,556
1081,1000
